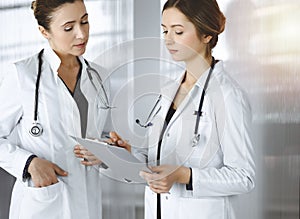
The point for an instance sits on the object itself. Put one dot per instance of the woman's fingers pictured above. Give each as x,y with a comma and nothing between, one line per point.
89,158
80,151
151,178
161,179
87,162
117,140
114,137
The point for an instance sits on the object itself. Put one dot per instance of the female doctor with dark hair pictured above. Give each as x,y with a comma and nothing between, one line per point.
199,145
45,99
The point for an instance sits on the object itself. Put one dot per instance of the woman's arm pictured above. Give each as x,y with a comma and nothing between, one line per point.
237,174
12,157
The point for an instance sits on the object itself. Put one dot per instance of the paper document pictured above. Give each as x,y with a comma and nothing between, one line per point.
121,164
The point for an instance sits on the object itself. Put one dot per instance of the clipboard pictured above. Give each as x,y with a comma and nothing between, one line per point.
119,164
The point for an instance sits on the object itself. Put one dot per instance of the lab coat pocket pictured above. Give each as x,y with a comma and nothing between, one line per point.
205,141
45,202
187,152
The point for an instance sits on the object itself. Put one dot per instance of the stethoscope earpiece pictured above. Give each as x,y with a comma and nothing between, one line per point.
36,130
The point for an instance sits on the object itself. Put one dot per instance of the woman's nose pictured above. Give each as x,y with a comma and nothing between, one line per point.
81,33
169,39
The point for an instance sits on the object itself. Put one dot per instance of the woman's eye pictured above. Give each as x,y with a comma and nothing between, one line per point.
179,32
68,28
165,32
85,22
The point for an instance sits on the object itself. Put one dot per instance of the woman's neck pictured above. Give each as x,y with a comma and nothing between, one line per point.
67,60
195,68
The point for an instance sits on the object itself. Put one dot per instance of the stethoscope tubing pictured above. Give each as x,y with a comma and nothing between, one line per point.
199,112
37,129
37,85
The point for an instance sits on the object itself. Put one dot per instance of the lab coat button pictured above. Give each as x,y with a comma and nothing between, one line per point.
168,135
167,197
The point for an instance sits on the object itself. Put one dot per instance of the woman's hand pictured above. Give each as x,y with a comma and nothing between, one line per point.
44,173
117,140
89,159
163,177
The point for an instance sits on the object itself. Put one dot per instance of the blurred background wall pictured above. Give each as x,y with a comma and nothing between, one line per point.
261,50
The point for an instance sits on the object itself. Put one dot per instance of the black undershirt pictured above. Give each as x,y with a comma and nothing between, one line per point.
167,120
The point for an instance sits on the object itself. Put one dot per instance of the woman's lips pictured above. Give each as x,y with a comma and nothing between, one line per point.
173,51
81,45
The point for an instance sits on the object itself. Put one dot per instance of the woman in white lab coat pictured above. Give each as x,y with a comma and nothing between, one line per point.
38,116
199,166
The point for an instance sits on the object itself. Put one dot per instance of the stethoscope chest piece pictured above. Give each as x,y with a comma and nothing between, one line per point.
36,130
196,140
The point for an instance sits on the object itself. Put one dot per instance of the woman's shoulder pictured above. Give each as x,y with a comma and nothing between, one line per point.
230,88
28,58
27,64
226,81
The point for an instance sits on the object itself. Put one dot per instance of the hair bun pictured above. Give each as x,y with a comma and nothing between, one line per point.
222,23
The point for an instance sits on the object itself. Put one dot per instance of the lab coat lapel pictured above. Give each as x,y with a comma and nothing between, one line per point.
193,96
84,81
168,94
62,97
190,96
53,61
96,113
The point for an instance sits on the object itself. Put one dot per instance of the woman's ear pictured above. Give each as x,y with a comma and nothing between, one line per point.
44,32
206,38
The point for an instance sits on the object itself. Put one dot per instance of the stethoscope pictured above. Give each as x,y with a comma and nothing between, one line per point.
36,130
153,113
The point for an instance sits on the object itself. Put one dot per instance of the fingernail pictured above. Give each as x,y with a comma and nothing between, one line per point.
120,142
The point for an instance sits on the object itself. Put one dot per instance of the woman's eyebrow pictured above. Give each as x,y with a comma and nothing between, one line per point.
174,25
69,22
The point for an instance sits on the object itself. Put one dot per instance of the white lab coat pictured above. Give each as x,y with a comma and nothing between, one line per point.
79,194
222,162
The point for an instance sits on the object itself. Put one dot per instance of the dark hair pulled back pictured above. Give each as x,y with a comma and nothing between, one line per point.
43,10
204,14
